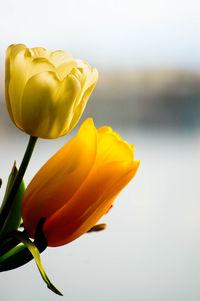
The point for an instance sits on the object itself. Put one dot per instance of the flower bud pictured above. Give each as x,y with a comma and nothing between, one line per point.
46,92
78,185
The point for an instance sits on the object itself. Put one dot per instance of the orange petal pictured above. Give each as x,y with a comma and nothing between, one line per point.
89,204
58,180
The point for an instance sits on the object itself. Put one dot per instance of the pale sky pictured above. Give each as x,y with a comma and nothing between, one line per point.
109,34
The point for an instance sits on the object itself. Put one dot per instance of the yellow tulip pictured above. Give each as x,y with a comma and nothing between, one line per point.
46,92
78,185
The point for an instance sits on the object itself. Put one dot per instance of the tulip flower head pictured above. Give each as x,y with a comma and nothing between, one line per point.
78,185
46,92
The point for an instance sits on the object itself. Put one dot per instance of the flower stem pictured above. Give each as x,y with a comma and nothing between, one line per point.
8,204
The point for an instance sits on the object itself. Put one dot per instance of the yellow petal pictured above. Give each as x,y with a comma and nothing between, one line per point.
66,95
111,147
92,77
40,52
10,54
64,69
26,76
38,65
22,66
58,180
60,57
83,97
47,104
18,71
78,110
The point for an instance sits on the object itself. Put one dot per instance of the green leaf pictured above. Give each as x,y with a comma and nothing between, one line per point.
13,219
15,258
9,184
11,259
36,254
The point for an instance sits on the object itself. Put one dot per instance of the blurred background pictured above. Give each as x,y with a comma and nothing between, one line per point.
148,57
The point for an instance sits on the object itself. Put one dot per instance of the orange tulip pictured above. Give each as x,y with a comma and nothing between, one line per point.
77,186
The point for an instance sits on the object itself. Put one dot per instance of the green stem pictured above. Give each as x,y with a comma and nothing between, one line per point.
18,179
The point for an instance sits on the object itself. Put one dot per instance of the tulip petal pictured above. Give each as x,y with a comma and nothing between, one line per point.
64,69
23,66
39,65
66,83
60,57
92,77
77,111
69,167
40,52
66,95
83,98
18,67
89,204
111,147
11,52
47,104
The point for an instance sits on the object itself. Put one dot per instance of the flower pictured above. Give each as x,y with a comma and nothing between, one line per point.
46,92
78,185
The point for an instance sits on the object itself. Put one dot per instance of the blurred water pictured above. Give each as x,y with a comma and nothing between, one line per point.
150,250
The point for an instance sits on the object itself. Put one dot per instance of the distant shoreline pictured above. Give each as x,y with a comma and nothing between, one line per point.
157,98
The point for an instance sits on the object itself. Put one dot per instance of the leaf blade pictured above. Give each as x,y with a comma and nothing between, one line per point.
36,255
13,219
